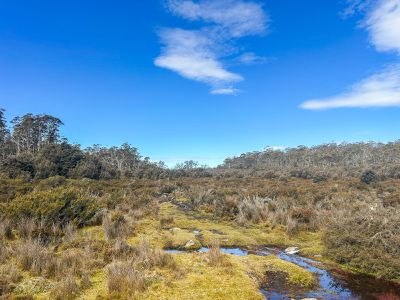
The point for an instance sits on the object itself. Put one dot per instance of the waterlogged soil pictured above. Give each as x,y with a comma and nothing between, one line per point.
333,284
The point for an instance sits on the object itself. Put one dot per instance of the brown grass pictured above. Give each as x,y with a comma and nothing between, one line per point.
148,256
66,289
72,261
253,209
115,226
6,230
5,251
166,222
214,254
124,279
119,249
9,277
34,257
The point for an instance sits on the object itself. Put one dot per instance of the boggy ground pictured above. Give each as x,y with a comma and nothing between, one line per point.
198,276
83,239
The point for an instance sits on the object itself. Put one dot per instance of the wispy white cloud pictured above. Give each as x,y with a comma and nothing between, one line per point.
198,54
383,24
225,91
379,90
250,58
239,18
355,6
382,89
275,148
190,54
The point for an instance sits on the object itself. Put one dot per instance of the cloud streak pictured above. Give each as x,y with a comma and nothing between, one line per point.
225,91
199,54
381,89
250,58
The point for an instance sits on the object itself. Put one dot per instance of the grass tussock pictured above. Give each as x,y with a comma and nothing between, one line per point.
166,222
147,256
9,277
66,289
5,251
120,249
34,257
6,232
124,279
215,256
253,209
115,226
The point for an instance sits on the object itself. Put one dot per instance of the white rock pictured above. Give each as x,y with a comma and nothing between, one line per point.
292,250
189,244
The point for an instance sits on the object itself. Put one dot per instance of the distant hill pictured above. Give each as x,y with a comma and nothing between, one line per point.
331,160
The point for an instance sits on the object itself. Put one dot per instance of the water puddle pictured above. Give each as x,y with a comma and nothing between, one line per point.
333,284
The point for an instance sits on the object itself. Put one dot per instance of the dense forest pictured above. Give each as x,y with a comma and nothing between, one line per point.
34,148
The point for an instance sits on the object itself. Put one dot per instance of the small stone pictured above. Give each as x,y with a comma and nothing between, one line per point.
292,250
196,232
189,244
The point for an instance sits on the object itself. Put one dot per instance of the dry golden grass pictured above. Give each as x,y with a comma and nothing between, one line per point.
125,279
66,289
126,250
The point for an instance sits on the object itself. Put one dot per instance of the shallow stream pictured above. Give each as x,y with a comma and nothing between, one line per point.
333,284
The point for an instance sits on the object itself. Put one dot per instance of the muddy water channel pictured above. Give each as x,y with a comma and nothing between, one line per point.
333,284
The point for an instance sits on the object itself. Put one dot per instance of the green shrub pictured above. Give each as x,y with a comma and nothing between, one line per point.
369,177
51,182
59,206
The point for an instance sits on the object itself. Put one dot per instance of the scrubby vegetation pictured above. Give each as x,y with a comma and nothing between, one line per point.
96,223
88,238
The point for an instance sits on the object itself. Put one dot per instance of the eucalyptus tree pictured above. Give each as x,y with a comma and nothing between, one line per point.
4,132
31,132
4,136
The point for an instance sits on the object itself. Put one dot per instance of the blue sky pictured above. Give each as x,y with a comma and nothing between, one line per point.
204,80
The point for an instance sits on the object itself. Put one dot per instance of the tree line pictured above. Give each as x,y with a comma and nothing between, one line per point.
327,160
33,148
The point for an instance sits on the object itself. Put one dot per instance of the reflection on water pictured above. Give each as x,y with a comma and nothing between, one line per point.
234,251
328,288
332,285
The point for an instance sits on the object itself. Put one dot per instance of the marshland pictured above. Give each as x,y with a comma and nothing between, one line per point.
200,150
105,223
